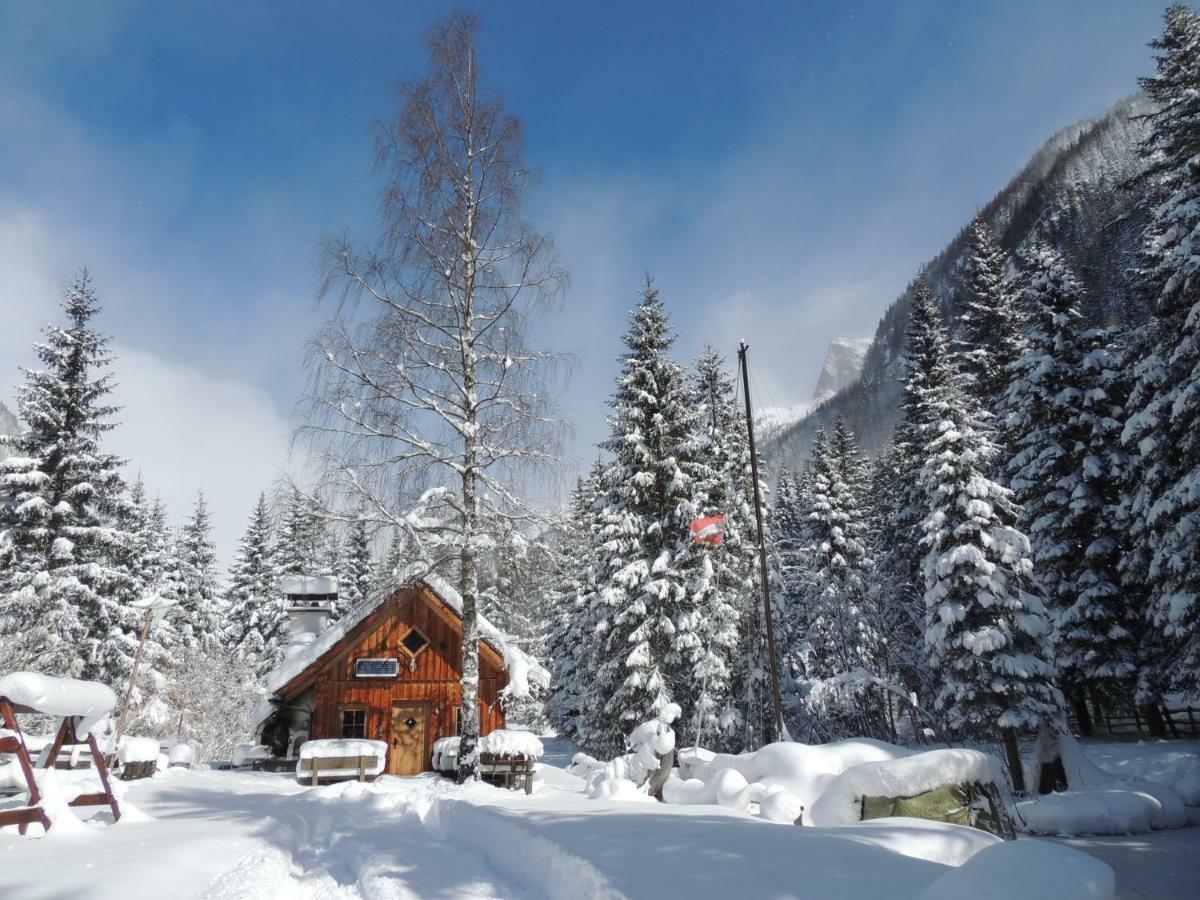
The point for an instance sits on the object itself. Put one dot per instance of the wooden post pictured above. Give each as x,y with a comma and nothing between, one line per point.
780,729
137,661
316,765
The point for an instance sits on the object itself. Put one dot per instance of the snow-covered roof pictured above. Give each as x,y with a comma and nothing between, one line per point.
521,667
89,700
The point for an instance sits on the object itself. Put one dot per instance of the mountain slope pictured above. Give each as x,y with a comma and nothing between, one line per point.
1073,193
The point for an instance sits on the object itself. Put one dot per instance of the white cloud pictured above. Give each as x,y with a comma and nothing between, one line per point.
186,430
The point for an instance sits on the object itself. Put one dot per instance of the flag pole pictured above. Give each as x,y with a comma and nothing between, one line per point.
780,728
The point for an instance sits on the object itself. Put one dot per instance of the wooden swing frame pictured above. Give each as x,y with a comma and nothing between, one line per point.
66,737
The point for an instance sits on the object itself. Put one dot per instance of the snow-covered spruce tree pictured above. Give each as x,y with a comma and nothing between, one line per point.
989,321
1163,427
1066,471
60,590
565,628
729,665
652,581
256,623
903,505
424,376
198,615
303,542
988,637
143,561
358,569
843,644
792,503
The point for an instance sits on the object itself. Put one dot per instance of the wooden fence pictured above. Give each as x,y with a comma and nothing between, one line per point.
1181,722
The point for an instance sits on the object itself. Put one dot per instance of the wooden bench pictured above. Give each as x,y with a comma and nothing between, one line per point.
132,771
339,764
509,772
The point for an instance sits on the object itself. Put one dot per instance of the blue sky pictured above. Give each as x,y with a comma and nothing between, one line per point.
781,168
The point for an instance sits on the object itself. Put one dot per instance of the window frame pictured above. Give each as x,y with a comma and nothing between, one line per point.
353,708
415,630
391,659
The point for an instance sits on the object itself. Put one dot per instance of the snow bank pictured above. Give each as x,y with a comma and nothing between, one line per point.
940,842
1102,811
90,701
505,742
1175,764
137,750
1026,868
841,801
1099,801
332,748
805,770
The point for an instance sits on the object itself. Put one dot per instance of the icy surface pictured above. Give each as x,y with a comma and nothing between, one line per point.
89,700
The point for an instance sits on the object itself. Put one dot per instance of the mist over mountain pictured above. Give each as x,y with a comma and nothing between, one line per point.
1075,194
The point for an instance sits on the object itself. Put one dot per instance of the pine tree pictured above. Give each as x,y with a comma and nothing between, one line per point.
1163,428
60,588
989,321
651,580
256,628
303,540
1066,472
987,635
198,615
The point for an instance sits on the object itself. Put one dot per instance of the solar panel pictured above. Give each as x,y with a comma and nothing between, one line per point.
376,668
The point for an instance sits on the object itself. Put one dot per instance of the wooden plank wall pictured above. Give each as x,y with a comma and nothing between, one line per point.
434,678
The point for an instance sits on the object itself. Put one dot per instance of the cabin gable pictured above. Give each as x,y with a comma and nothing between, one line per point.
423,635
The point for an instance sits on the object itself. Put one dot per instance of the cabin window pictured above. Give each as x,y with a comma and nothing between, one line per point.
376,668
414,642
354,723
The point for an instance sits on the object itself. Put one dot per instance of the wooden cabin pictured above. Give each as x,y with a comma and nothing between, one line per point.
390,671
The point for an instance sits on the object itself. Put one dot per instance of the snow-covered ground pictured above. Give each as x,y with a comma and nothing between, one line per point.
242,835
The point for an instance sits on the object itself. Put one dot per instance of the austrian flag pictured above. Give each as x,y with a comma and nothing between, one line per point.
708,530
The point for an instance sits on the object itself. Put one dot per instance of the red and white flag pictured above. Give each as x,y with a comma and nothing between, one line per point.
708,530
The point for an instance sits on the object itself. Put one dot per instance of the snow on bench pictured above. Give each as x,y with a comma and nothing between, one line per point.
89,701
341,758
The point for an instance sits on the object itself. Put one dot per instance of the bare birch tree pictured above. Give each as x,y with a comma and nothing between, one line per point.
423,378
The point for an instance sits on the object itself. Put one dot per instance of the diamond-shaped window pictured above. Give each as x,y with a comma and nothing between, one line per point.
414,642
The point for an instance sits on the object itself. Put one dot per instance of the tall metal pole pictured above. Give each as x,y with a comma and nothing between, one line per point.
780,731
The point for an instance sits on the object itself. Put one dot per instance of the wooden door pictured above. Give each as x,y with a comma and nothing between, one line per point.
410,721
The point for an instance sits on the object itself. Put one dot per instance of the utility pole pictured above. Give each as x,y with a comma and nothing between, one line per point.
780,729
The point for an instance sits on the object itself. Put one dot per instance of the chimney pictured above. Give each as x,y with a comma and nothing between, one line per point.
309,605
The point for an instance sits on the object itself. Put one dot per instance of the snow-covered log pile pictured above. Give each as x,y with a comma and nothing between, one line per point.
245,754
507,742
138,750
341,748
88,701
